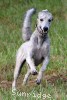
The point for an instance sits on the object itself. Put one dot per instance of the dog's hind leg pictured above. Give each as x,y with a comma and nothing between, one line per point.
26,29
19,63
27,75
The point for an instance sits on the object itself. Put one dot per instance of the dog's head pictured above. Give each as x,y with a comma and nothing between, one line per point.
44,21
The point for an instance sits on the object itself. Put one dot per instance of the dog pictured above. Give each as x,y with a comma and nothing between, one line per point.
36,48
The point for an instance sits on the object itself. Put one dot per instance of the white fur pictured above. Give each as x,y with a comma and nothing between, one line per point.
36,48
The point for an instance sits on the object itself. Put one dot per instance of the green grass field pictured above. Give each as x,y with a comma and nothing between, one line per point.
54,84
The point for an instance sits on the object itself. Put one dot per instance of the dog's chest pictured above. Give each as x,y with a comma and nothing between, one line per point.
38,55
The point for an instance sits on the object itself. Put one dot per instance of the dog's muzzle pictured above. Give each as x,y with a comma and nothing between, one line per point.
45,29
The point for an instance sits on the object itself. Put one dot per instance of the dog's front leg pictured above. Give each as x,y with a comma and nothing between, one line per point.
42,69
30,61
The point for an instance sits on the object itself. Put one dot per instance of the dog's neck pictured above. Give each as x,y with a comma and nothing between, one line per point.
41,38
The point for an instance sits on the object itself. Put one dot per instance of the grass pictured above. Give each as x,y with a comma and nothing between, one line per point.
55,80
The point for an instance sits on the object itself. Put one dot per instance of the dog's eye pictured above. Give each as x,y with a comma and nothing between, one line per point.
41,20
49,20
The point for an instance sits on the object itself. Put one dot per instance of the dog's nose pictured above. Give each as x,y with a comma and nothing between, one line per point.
45,29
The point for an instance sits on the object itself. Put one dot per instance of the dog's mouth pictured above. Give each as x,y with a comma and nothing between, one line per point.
43,31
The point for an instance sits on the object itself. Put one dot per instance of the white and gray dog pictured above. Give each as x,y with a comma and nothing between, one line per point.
36,49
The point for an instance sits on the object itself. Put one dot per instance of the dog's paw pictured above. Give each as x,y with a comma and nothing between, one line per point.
38,82
34,72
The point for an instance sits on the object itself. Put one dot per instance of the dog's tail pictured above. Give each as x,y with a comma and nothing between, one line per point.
26,29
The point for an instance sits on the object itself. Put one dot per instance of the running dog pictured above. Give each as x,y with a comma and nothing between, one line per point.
36,48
